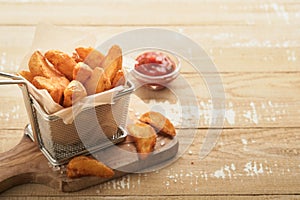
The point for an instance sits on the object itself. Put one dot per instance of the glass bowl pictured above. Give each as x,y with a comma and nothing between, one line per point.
156,82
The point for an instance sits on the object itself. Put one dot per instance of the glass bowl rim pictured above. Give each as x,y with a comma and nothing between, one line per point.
171,54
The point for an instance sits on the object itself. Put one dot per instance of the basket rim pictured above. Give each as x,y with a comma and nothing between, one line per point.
52,117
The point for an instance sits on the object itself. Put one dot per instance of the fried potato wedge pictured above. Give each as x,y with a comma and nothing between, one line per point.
90,56
63,82
112,62
98,82
73,93
39,66
76,57
119,79
144,137
57,95
83,52
159,122
27,75
54,89
85,166
82,72
55,70
62,62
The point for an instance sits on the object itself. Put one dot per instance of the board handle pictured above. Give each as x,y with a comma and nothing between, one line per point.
20,164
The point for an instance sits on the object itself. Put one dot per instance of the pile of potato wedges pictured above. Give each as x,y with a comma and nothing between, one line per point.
69,78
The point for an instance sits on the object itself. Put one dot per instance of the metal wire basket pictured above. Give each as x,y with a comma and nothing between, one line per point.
93,128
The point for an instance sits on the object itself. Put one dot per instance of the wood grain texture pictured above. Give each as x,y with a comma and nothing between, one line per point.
243,162
255,47
232,48
201,197
273,103
9,139
19,165
122,12
25,163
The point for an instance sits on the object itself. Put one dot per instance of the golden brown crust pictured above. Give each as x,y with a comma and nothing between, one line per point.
90,56
55,90
82,72
73,93
112,62
144,137
85,166
43,76
159,122
119,79
27,75
76,57
98,82
83,52
57,95
62,82
58,69
62,62
39,66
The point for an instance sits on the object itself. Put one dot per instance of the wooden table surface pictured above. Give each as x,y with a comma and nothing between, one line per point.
255,47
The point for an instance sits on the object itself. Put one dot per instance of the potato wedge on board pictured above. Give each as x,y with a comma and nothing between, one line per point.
144,137
85,166
159,122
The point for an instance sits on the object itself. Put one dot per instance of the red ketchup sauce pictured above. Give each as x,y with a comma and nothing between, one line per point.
154,64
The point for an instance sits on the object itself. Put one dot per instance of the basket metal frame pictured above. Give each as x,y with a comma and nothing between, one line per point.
32,129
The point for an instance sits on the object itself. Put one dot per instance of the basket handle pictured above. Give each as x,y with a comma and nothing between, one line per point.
129,88
27,100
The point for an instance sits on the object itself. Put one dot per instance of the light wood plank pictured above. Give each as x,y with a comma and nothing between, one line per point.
13,114
252,100
243,162
9,139
255,46
123,12
201,197
210,35
233,49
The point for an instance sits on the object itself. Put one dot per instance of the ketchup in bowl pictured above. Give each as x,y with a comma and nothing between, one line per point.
154,64
156,68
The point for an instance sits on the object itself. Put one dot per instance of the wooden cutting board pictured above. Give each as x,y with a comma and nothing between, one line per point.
26,164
